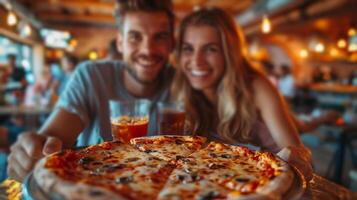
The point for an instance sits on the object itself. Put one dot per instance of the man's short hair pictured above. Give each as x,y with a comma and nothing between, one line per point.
125,6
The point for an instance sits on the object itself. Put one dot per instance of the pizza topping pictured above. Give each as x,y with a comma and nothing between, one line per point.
242,180
132,159
226,156
124,179
95,193
85,160
150,151
189,178
178,141
110,168
249,187
213,155
154,158
215,166
178,157
209,196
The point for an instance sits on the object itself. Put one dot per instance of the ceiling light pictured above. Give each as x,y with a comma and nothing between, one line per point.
11,18
27,30
266,26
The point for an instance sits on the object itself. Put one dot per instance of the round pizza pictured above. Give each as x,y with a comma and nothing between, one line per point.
163,167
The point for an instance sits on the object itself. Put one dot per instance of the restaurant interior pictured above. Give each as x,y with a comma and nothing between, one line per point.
313,42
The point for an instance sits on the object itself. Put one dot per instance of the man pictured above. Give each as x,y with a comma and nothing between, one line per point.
145,40
16,74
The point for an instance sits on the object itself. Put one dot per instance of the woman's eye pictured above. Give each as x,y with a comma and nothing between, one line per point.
186,49
212,49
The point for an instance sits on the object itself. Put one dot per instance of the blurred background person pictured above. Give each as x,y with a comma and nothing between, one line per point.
68,64
42,92
286,83
15,81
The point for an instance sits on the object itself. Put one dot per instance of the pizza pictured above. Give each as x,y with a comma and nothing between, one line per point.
169,148
163,168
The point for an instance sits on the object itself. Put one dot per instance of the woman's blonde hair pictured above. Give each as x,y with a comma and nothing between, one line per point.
235,112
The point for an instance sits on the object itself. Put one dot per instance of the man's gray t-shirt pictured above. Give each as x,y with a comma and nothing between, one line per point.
91,87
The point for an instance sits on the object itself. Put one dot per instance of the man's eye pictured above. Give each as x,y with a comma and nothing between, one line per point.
134,37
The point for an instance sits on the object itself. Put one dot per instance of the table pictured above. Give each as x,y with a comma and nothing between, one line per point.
25,110
31,114
318,188
347,133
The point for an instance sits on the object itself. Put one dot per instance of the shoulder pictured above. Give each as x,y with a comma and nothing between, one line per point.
264,91
261,84
100,64
101,67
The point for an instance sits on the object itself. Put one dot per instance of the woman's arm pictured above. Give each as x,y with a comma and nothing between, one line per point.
276,116
275,113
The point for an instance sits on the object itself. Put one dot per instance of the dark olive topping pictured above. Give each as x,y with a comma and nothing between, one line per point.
213,155
153,158
132,159
226,156
95,193
124,180
180,177
150,151
85,160
215,166
209,196
110,168
178,157
177,141
194,177
241,180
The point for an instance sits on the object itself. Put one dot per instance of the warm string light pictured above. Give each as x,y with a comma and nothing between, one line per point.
266,26
93,55
319,48
352,47
341,43
351,32
304,53
27,30
11,19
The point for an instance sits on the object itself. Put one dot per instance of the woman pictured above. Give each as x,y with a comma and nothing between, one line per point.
225,98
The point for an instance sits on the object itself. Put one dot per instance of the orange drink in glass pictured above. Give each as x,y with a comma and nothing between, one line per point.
129,119
170,118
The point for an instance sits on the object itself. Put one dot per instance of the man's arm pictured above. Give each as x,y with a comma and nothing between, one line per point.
64,126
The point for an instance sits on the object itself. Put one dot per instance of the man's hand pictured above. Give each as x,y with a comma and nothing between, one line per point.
27,150
299,157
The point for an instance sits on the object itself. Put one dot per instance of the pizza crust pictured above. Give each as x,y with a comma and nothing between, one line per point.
59,188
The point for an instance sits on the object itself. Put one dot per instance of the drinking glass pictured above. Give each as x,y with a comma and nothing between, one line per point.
171,118
129,119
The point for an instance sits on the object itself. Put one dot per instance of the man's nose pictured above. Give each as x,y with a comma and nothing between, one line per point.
147,47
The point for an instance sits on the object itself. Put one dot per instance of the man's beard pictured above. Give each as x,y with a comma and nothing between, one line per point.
135,76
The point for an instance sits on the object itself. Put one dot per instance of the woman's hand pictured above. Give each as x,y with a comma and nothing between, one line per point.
299,157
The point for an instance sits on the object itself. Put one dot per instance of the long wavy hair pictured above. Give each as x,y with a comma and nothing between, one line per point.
233,116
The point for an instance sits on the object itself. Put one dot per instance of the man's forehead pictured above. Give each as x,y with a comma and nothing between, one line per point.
149,22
